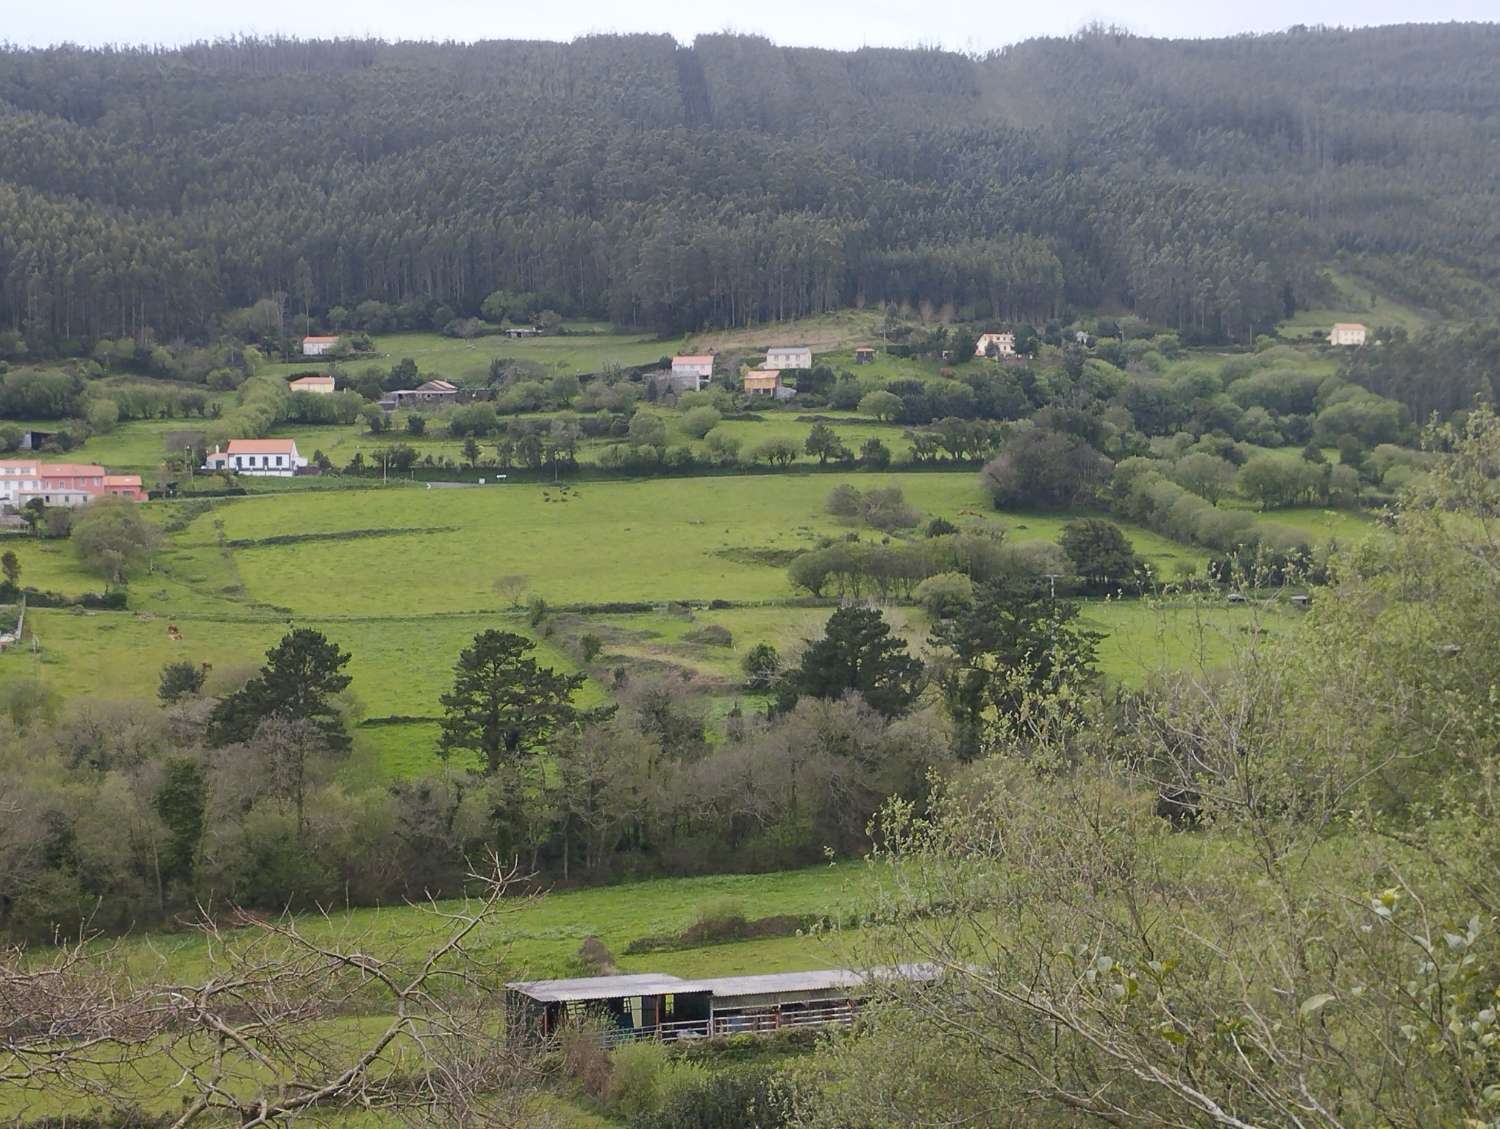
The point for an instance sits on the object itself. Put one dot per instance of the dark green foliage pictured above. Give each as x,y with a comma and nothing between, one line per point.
940,527
10,568
1044,469
1015,640
503,705
302,675
460,180
180,680
1101,556
857,653
726,1099
180,801
761,665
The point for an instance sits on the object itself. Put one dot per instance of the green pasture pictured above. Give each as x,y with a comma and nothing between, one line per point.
1356,300
579,351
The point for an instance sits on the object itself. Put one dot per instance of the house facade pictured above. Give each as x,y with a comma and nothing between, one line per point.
692,372
1347,333
864,355
317,346
766,382
63,484
124,486
1004,344
317,384
275,458
17,477
789,356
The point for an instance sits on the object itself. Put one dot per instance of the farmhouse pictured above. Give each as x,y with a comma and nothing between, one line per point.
62,484
651,1005
864,355
432,392
691,372
1347,333
523,331
766,382
18,476
276,458
317,346
1003,344
789,356
317,383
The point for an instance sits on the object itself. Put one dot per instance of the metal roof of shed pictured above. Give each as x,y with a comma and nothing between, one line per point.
768,984
601,987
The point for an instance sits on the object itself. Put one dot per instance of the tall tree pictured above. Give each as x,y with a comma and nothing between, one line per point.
1015,640
857,654
503,705
302,676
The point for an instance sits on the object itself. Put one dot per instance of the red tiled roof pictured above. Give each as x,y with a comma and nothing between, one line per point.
122,480
318,340
312,380
70,470
695,359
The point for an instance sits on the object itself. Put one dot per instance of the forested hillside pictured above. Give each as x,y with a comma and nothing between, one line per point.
1202,184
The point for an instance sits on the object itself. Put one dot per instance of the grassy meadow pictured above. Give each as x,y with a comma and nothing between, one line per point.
403,577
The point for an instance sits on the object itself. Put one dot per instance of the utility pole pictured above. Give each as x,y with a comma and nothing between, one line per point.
1052,578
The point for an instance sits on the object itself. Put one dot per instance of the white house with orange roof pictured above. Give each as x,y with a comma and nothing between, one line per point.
317,383
1347,333
17,477
692,371
317,346
259,457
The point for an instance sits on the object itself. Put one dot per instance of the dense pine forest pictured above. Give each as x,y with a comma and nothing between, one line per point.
1203,185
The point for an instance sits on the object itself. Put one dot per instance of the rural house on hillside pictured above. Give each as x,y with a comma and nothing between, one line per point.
258,457
317,346
431,392
317,384
63,484
766,382
789,356
1347,333
691,372
864,355
1003,345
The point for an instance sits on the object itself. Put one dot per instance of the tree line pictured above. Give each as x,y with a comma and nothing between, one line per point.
643,180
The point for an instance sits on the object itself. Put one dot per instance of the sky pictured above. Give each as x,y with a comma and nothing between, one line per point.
965,25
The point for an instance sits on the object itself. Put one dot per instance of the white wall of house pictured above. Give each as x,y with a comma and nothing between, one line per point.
789,358
1347,335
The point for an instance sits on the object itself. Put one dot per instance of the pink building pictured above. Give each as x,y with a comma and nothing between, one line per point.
124,486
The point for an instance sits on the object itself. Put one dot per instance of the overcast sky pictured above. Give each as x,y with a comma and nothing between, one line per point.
958,24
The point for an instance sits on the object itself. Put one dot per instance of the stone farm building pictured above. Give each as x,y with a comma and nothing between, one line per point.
276,458
789,356
317,383
1347,333
766,382
317,346
652,1005
1004,344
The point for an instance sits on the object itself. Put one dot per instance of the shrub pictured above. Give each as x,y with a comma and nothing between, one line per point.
719,920
700,421
946,594
732,1099
711,635
645,1079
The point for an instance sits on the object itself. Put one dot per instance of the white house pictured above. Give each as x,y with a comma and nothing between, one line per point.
259,457
316,384
789,356
695,369
18,477
1347,333
317,346
1004,343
